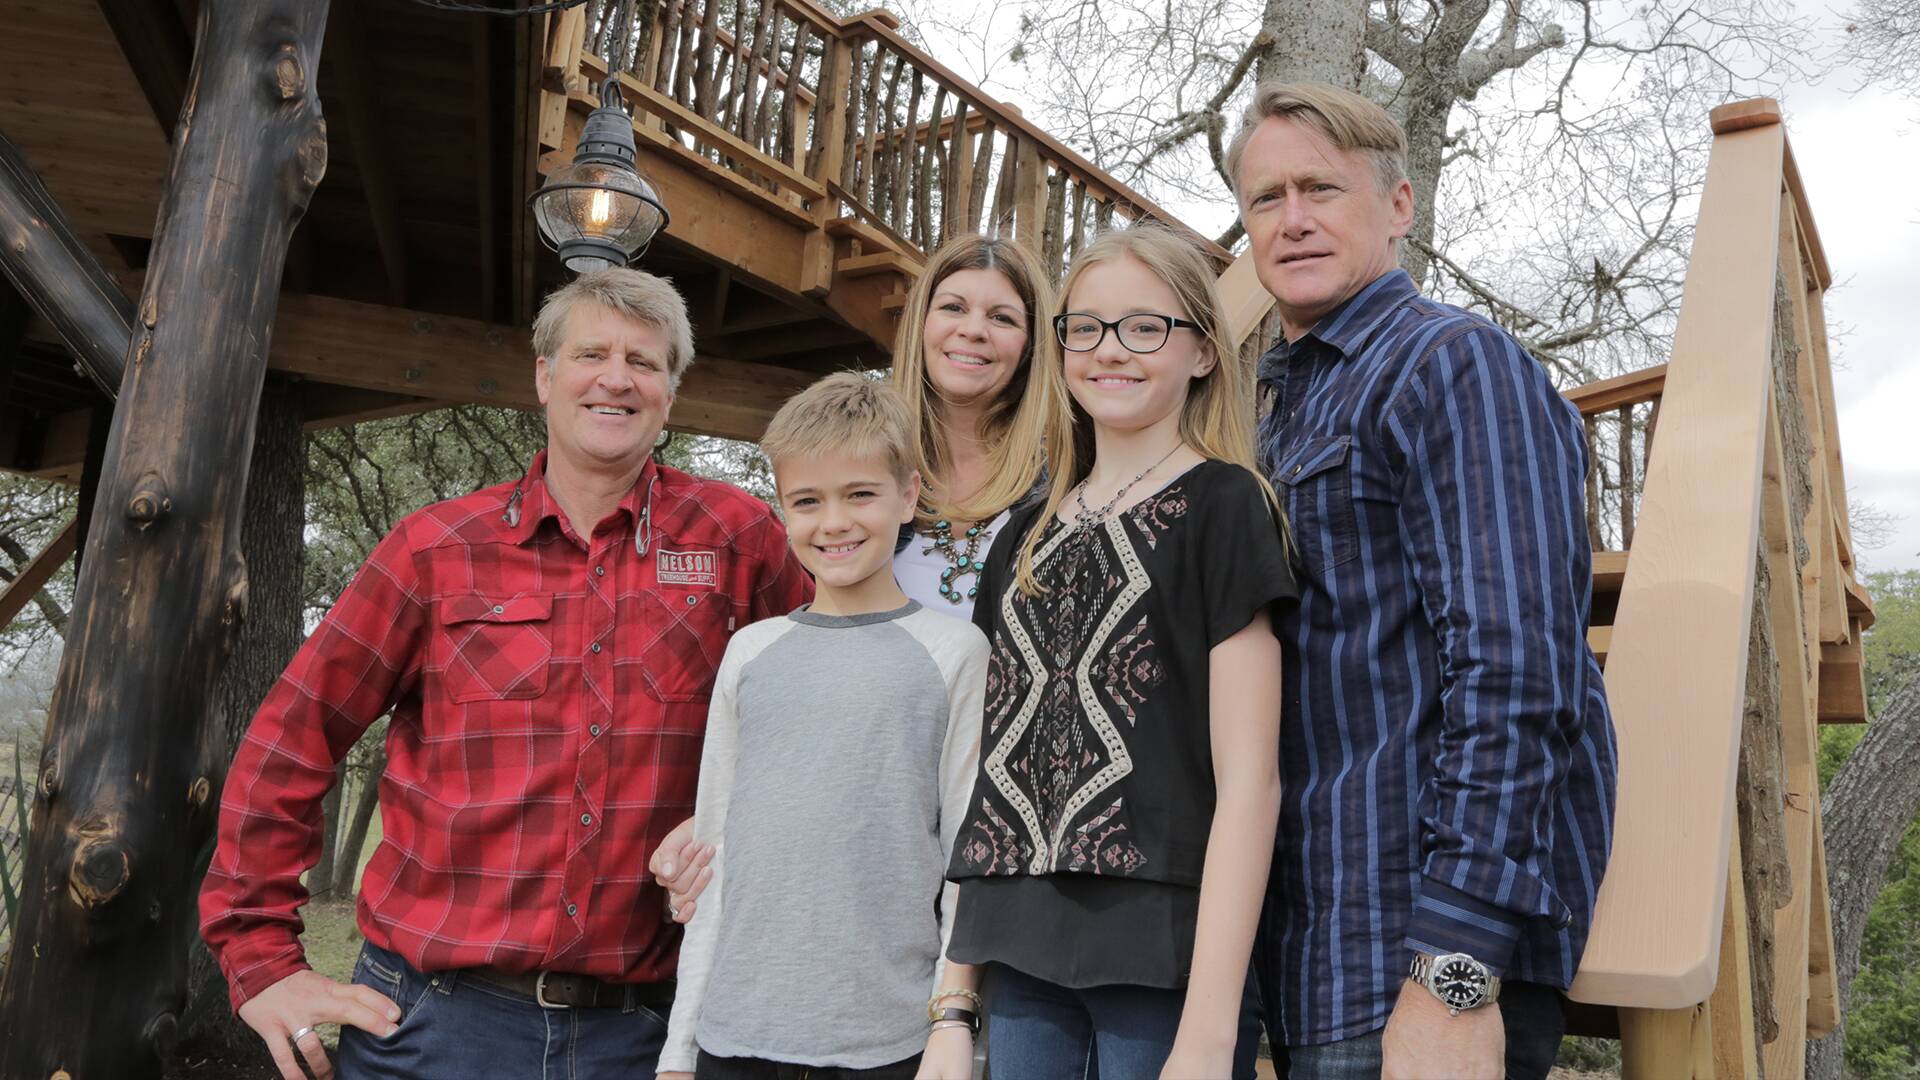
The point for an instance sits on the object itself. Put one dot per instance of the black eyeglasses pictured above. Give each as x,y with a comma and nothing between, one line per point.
1142,333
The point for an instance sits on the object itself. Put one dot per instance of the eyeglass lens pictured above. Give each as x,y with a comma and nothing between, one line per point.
1138,333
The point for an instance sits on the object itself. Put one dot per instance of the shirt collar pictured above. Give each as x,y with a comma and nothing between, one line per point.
1349,327
537,503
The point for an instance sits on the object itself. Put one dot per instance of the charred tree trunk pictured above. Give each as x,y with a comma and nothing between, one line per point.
44,258
1869,807
128,786
273,540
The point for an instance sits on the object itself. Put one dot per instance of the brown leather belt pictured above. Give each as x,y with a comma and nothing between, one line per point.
563,990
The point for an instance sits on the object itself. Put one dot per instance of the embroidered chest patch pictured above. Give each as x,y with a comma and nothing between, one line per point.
686,568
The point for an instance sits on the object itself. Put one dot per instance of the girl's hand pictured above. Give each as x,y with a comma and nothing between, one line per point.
949,1055
1190,1061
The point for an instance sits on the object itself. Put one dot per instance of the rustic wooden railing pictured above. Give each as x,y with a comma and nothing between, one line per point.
846,118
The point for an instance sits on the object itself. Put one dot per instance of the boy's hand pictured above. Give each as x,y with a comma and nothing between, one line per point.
949,1055
680,865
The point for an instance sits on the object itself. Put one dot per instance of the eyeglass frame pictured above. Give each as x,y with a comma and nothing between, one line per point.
1173,323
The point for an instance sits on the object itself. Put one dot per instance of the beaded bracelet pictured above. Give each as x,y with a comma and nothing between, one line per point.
933,1003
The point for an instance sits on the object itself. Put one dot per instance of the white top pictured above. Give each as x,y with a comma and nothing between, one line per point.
918,570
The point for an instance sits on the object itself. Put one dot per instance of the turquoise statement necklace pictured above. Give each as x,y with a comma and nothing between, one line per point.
965,558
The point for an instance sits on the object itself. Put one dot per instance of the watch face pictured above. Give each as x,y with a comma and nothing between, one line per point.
1459,982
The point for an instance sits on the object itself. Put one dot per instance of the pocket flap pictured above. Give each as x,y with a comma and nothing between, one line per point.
475,608
1312,457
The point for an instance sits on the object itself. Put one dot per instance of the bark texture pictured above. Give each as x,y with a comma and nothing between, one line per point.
129,784
1873,799
1314,41
272,538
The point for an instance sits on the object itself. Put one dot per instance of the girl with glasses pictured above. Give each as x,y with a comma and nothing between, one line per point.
1114,858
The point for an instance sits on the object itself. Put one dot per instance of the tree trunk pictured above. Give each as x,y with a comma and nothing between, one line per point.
1869,807
273,540
128,785
1314,40
322,872
347,859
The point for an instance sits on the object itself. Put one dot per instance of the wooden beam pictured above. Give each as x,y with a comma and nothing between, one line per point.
1666,1044
1607,395
323,405
1843,686
158,49
47,262
1736,1045
1676,675
357,82
19,592
487,168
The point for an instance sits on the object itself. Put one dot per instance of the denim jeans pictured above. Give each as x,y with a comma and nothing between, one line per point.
1531,1013
1041,1029
710,1067
455,1028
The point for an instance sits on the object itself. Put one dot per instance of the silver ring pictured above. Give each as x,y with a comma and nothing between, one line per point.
673,912
298,1035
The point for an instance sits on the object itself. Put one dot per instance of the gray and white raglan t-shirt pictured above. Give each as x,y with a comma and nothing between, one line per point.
840,753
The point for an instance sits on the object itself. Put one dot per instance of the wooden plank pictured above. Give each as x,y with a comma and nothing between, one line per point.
18,593
1609,571
486,177
323,405
1600,640
879,262
1244,299
1823,988
356,82
1843,686
159,50
645,97
1677,681
1666,1044
957,193
1607,395
977,189
1786,1056
1736,1045
1030,197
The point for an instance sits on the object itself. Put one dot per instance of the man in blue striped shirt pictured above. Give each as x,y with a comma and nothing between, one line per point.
1446,751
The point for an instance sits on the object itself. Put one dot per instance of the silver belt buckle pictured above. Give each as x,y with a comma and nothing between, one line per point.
540,994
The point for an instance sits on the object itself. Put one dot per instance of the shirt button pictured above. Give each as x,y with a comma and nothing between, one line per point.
596,646
586,819
572,910
499,609
593,730
599,571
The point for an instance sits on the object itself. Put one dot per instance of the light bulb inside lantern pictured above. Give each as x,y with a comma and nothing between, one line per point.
600,210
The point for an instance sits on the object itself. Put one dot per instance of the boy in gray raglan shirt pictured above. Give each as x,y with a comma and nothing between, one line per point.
840,752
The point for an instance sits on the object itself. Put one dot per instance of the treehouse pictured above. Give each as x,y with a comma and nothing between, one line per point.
808,162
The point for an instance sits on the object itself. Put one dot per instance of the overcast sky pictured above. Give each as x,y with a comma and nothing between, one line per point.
1859,155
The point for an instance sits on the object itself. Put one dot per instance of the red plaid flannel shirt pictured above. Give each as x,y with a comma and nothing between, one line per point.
549,697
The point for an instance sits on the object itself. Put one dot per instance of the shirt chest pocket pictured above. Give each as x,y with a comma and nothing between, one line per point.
1316,477
496,648
685,633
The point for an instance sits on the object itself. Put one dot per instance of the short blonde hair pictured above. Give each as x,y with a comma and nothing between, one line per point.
634,294
1345,119
845,413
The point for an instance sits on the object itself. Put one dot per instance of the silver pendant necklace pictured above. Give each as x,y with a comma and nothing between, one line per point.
1084,518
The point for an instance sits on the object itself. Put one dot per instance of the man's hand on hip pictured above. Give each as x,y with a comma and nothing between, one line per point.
1423,1039
285,1014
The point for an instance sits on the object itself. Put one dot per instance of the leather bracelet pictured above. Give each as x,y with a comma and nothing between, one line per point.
958,1016
933,1003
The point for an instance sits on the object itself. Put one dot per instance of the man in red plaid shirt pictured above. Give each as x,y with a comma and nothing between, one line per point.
548,687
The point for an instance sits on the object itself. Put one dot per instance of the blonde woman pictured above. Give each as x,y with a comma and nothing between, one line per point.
963,359
1114,858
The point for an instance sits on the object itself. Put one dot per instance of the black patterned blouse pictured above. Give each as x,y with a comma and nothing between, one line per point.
1088,824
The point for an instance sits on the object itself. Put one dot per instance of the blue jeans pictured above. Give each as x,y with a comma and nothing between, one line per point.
1043,1030
464,1029
1530,1011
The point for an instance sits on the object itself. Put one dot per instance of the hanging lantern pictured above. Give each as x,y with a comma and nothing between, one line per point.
599,211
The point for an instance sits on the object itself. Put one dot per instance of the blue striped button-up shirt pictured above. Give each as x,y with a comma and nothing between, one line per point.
1446,751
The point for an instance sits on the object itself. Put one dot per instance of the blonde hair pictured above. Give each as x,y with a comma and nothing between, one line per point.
1014,423
1345,119
634,294
1217,419
844,413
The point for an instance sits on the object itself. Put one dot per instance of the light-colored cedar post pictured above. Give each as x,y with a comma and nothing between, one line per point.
1736,1046
1666,1044
829,153
566,36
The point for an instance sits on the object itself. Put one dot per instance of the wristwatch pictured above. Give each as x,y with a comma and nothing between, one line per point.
1458,980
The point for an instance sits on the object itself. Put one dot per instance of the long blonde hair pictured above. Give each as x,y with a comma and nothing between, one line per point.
1217,419
1014,423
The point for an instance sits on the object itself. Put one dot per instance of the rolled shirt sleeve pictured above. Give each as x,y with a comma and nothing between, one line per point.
1492,518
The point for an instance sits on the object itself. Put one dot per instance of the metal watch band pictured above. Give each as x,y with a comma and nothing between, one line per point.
1425,964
